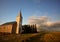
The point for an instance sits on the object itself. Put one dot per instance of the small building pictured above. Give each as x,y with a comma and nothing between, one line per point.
14,27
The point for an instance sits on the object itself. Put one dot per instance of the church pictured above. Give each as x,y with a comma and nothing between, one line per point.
14,27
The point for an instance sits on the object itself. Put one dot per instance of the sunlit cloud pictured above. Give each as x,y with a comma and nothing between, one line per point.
49,23
37,20
44,23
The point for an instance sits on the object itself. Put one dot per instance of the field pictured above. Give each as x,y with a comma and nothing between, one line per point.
16,38
33,37
48,37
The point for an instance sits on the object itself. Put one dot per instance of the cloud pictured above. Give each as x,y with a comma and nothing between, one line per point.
49,23
55,26
44,23
51,26
37,20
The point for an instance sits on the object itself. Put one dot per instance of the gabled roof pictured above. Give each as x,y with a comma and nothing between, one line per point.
9,23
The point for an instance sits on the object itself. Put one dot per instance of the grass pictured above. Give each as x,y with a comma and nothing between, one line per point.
35,37
47,37
16,38
52,37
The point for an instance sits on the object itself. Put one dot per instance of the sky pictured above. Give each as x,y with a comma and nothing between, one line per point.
29,8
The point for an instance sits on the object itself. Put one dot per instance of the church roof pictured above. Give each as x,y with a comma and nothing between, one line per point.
9,23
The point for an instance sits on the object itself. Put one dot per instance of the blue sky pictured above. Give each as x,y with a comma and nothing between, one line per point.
9,9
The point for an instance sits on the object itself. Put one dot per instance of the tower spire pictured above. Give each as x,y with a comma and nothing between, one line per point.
19,23
20,14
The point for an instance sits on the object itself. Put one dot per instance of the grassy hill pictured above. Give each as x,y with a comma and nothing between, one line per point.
35,37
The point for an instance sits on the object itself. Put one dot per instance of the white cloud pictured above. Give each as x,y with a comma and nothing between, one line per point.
37,20
44,23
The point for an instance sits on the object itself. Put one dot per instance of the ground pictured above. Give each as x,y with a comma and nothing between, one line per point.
32,37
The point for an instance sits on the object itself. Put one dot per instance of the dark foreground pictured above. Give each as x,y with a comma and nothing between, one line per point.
35,37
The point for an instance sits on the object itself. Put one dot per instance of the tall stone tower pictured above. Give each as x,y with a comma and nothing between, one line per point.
19,23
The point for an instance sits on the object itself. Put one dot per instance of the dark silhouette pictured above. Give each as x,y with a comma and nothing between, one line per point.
29,29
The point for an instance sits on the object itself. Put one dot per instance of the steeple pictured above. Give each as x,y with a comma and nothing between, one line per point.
20,14
19,23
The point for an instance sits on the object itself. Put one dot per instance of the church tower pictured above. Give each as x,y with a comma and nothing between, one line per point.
19,23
